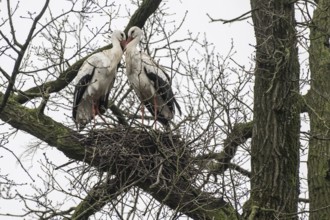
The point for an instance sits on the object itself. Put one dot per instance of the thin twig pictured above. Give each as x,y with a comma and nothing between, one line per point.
20,56
239,18
18,160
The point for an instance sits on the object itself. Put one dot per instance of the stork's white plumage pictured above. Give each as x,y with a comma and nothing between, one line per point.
94,81
149,81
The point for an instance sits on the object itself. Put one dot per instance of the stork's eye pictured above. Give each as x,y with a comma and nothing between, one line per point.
122,35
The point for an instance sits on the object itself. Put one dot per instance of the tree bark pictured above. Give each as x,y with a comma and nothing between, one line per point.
98,197
275,139
318,100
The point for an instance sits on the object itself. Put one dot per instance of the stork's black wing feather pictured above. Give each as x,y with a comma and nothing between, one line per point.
79,91
162,87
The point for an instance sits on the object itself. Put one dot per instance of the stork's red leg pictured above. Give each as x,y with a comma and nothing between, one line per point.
97,112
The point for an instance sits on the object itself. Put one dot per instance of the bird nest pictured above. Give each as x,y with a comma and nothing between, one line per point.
139,152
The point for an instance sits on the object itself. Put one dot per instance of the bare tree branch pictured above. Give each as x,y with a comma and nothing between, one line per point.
240,170
20,54
194,203
240,133
99,196
239,18
147,8
10,15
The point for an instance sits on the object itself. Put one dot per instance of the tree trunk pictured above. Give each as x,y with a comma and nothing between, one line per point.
319,113
275,141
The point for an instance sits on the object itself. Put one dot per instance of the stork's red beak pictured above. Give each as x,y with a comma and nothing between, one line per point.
123,44
129,40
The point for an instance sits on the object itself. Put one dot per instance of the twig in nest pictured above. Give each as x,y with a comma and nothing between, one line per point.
158,175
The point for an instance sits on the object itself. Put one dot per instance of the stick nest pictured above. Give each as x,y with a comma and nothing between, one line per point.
140,153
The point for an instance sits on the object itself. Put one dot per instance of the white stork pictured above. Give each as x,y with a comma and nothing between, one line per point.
149,81
94,81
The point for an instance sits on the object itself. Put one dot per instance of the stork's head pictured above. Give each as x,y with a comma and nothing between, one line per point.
134,34
119,36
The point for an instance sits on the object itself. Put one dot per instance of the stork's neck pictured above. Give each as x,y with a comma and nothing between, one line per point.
115,52
131,46
133,61
116,44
